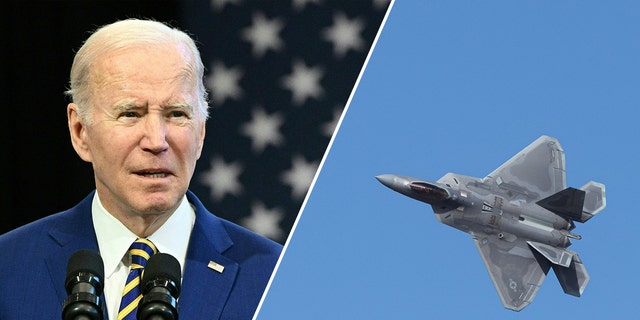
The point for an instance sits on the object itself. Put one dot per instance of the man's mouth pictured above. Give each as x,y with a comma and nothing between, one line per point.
153,175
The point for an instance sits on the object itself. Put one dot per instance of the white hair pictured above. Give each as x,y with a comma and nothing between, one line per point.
124,34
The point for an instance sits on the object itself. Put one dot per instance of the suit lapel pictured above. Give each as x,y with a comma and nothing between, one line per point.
205,289
72,232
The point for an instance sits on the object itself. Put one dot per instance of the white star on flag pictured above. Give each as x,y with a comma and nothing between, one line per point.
222,178
304,82
381,4
264,34
344,34
224,83
300,175
329,127
218,5
264,221
263,130
301,4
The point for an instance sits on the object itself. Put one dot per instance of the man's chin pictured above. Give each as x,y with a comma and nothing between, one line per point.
159,204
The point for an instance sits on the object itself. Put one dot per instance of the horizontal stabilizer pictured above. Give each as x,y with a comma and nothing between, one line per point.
567,203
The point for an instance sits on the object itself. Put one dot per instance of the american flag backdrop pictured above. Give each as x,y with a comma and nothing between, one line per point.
279,74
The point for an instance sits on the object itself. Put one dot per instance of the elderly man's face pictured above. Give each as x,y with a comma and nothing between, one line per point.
145,135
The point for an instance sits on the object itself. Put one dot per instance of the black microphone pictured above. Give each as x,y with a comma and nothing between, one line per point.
84,284
160,288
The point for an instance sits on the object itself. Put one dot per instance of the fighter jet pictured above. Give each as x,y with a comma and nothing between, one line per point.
520,217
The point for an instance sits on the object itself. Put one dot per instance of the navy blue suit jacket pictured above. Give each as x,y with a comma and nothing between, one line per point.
33,263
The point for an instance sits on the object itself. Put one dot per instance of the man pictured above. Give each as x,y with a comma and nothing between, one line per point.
138,116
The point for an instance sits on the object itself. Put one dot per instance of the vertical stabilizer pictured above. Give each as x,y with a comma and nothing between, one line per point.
567,266
574,278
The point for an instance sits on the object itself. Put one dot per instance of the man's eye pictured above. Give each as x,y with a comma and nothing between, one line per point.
177,114
129,114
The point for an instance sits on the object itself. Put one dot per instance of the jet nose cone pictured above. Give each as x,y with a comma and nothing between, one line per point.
387,179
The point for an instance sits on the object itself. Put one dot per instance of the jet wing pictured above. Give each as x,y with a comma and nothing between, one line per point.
536,172
514,269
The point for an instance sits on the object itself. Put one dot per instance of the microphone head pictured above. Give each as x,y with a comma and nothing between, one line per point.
85,262
165,268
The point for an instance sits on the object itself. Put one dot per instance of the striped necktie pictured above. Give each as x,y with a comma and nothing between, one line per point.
140,251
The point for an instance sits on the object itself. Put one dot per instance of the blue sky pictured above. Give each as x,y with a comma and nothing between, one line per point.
461,86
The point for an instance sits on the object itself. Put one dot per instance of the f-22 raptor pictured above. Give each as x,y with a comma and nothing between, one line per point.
521,217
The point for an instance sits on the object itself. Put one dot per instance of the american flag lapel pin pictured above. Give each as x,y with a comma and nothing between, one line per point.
216,266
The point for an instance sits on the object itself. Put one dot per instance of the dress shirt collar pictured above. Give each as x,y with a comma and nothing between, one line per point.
114,238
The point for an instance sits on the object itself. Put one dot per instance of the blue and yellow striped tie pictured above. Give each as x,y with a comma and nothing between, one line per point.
140,251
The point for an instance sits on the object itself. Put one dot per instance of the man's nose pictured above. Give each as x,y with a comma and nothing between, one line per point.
155,134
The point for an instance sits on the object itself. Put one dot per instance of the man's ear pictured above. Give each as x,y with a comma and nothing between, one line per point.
201,141
78,132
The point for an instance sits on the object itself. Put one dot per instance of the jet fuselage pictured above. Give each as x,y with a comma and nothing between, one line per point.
466,204
520,217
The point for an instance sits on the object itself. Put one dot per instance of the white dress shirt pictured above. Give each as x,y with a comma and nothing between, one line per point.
114,240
